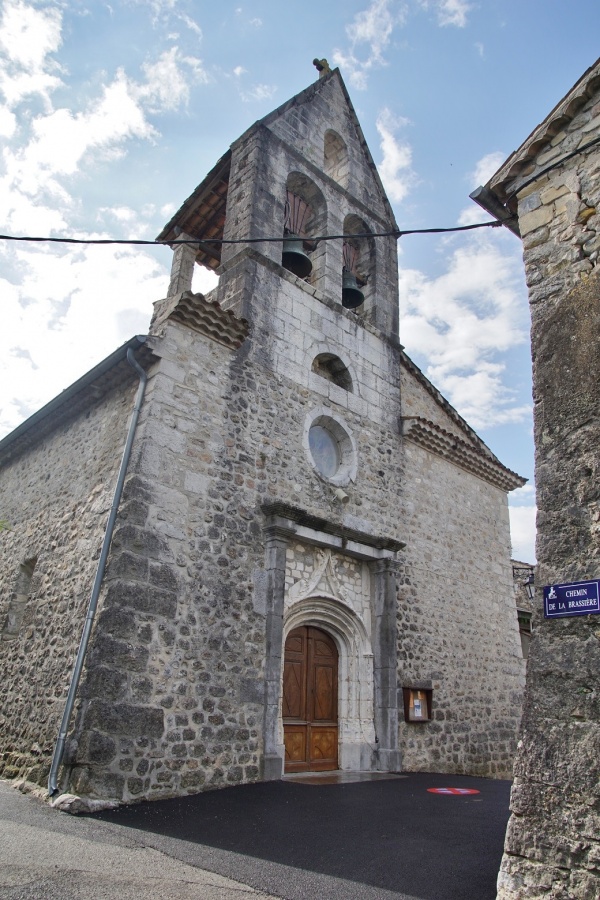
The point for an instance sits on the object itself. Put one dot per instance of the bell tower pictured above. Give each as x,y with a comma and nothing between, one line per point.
301,187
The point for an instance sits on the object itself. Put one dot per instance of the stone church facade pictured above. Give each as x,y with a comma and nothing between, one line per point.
310,564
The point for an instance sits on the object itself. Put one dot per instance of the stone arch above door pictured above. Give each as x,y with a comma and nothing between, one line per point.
357,743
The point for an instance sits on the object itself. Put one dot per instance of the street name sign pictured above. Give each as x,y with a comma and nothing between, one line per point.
576,599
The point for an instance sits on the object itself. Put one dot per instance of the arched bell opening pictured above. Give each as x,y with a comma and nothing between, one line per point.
358,272
355,723
305,215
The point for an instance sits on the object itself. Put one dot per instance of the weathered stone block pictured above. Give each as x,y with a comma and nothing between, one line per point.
108,651
125,720
536,219
105,682
96,748
143,597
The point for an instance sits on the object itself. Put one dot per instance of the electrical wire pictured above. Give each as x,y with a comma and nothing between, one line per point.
261,240
496,223
550,168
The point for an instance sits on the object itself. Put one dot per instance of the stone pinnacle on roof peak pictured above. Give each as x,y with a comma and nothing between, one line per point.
322,67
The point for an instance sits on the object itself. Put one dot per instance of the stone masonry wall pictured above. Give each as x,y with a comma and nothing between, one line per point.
56,498
174,695
175,683
457,626
552,847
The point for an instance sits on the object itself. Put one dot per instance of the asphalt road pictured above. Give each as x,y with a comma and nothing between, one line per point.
377,839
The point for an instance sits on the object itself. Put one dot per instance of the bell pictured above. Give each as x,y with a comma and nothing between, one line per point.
351,296
293,258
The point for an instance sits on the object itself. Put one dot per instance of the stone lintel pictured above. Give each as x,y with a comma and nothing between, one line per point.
297,523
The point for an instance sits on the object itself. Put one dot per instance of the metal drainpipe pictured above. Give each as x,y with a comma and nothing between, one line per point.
92,606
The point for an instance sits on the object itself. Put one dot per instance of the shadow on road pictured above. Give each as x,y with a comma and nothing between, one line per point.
392,835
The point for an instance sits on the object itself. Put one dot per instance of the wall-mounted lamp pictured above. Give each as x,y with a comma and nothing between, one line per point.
341,496
530,587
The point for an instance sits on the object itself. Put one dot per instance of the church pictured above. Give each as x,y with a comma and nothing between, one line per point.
286,550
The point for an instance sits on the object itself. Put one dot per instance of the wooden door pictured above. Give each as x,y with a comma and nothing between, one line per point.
310,717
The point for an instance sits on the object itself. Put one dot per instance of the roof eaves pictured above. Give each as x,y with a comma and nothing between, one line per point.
496,191
112,370
439,398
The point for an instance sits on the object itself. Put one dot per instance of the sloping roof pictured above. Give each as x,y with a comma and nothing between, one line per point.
202,215
496,196
79,396
205,316
471,454
474,459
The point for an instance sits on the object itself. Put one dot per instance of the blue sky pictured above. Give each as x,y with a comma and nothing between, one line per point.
113,113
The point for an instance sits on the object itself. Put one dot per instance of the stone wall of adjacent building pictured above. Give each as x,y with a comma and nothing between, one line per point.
56,498
552,846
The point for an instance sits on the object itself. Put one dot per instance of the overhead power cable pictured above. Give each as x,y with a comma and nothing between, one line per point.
261,240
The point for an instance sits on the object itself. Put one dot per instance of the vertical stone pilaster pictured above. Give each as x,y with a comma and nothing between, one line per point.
383,603
276,541
182,267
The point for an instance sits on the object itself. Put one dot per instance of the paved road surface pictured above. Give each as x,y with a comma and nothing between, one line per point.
374,840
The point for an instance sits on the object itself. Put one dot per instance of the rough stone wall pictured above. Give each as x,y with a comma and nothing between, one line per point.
56,498
175,682
552,846
181,674
457,626
173,691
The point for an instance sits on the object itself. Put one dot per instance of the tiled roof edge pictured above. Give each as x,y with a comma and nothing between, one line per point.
447,445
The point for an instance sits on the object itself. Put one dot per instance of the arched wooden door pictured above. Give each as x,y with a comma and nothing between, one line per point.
310,702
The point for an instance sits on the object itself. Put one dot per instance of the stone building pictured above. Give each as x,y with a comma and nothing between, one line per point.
310,563
548,191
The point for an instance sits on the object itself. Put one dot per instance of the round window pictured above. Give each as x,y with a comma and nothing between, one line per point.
325,450
330,447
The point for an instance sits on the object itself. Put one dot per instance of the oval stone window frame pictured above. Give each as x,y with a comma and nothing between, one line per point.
341,434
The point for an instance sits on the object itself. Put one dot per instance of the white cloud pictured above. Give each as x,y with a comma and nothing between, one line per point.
449,12
33,194
75,306
463,322
522,524
395,167
473,214
191,24
28,37
258,92
486,167
8,123
482,172
373,27
167,86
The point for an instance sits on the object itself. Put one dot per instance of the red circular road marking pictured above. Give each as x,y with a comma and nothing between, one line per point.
459,791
